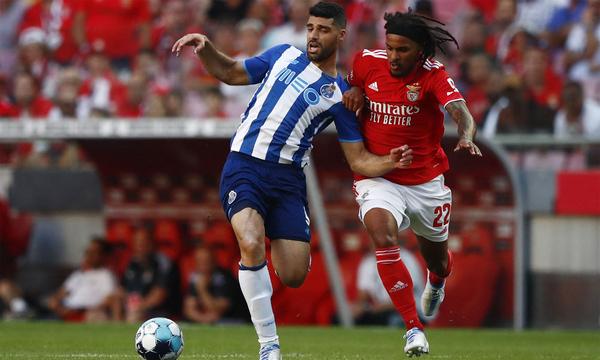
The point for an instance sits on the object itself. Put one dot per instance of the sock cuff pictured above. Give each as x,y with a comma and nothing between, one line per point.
384,250
252,268
387,255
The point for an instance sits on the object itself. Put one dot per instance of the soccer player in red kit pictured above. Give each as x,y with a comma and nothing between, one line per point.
403,88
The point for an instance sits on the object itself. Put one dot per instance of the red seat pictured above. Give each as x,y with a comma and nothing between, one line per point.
119,234
470,291
472,286
186,268
301,306
221,239
168,238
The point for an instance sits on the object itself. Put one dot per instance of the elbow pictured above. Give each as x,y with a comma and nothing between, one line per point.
359,168
355,167
228,75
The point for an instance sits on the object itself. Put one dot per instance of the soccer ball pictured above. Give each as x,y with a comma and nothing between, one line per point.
159,339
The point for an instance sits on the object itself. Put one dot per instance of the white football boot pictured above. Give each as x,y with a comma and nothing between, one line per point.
270,351
416,343
431,299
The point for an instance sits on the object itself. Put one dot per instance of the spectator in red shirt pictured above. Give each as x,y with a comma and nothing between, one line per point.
478,70
101,89
131,105
120,27
29,103
541,82
174,22
501,29
55,18
34,57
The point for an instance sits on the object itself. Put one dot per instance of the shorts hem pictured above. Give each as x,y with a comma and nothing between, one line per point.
437,239
401,219
293,238
241,206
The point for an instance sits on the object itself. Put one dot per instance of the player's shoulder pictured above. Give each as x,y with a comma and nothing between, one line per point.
278,50
433,66
372,56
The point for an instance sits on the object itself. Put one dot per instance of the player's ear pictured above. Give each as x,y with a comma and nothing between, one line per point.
342,35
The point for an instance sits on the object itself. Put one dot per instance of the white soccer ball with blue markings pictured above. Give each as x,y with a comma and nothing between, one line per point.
159,339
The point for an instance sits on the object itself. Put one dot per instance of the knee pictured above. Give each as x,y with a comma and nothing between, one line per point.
251,245
437,266
383,239
292,279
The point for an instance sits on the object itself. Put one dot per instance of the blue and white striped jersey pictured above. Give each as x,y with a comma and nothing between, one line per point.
294,102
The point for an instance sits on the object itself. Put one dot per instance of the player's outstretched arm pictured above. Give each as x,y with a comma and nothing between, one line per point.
219,65
466,127
368,164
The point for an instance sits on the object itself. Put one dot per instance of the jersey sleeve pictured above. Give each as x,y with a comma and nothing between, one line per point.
346,123
356,75
443,87
258,66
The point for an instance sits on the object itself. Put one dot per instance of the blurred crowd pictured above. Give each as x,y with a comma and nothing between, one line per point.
523,65
194,287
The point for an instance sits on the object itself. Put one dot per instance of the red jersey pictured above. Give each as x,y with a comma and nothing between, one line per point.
112,25
56,19
404,110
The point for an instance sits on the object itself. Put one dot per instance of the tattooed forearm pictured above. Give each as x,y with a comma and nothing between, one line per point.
460,114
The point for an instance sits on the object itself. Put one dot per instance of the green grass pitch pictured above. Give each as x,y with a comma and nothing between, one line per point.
51,340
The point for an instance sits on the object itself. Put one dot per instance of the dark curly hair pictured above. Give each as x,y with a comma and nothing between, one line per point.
416,28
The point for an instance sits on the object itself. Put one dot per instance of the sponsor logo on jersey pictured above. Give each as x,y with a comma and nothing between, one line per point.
391,109
413,92
392,114
373,86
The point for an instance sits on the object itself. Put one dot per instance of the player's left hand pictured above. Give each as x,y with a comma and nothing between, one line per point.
469,145
401,156
354,99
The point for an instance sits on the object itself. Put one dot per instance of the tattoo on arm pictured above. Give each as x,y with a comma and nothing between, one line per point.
460,114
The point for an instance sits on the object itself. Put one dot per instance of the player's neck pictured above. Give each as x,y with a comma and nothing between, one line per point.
328,66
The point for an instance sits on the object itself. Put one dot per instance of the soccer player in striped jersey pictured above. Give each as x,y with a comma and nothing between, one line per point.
404,87
263,188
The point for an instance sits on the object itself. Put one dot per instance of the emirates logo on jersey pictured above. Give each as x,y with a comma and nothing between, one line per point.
392,114
413,92
393,109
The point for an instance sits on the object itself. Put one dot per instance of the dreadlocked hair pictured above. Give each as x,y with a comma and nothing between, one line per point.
416,28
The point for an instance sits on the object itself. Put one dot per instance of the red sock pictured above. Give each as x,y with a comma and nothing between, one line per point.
398,283
438,280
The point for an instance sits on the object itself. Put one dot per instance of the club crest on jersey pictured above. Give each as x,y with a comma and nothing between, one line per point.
231,197
327,90
413,92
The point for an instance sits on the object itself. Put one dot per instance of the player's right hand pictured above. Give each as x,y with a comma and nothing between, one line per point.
197,41
354,99
401,156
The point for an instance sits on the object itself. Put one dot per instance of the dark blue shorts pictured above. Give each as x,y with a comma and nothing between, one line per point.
276,191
